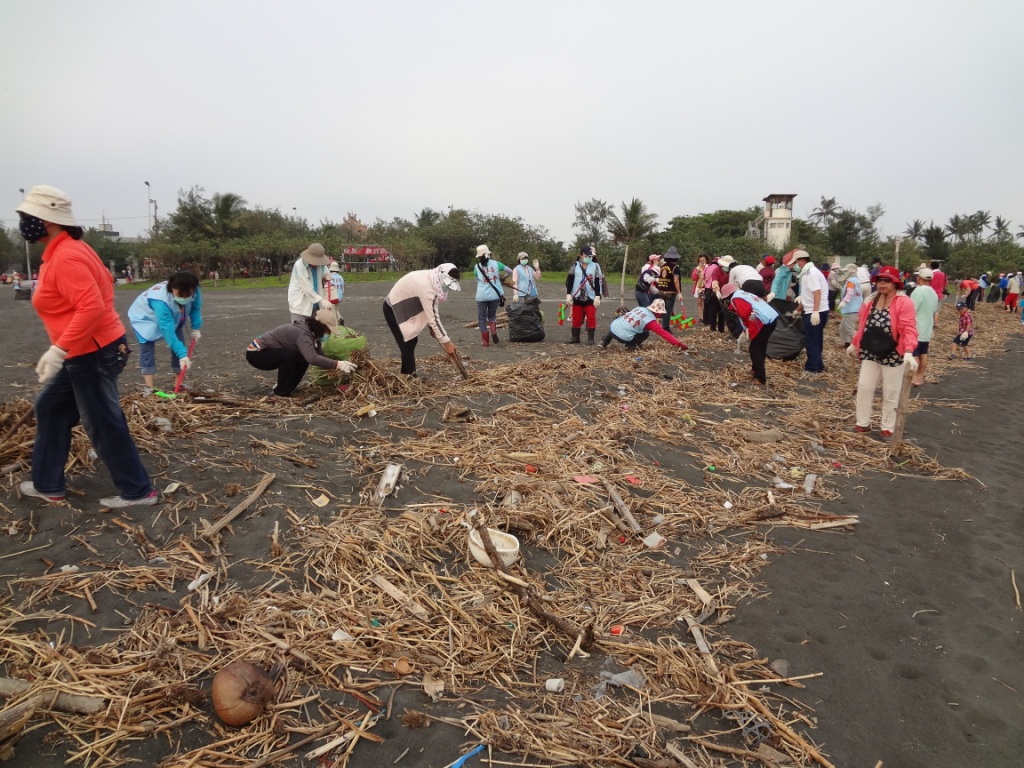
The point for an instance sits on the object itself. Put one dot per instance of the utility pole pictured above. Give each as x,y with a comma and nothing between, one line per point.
898,241
28,255
149,202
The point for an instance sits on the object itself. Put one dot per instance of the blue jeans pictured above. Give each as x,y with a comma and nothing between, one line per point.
486,312
85,389
643,298
147,355
814,338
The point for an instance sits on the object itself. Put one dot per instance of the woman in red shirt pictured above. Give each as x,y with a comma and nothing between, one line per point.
88,350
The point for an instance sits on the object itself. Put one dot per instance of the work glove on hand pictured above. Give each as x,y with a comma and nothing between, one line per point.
852,351
770,298
196,334
449,347
910,361
797,313
568,298
345,366
815,318
185,363
597,301
50,363
963,336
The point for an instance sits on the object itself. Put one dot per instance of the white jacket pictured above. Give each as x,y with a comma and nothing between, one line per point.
303,293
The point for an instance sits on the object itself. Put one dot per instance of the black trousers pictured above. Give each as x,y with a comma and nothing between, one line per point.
290,365
714,317
759,351
407,348
755,287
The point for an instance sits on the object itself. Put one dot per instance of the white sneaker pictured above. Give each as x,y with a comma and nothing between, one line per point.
116,502
28,489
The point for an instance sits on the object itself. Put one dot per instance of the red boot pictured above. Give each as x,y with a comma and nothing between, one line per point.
485,338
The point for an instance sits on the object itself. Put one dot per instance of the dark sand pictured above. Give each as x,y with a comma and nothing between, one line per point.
910,617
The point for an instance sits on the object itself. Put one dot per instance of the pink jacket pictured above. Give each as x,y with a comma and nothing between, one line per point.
904,323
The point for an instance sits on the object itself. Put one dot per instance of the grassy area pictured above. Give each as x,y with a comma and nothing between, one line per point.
269,282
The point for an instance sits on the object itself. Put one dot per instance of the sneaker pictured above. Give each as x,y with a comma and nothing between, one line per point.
145,391
28,489
885,434
861,430
116,502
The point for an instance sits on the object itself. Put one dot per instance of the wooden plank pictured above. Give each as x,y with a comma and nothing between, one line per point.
700,592
901,412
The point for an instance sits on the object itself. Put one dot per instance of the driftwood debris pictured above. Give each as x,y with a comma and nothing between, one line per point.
529,597
622,509
13,721
65,702
212,530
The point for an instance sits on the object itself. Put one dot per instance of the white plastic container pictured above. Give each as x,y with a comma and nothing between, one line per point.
505,544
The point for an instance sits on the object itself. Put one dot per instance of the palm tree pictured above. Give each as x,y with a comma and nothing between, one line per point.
1001,229
959,227
824,214
915,230
1020,232
978,221
428,217
223,219
634,224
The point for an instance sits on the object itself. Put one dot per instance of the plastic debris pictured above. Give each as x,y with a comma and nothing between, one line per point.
554,685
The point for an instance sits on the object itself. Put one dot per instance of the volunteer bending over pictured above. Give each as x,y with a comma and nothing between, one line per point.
412,305
161,313
634,327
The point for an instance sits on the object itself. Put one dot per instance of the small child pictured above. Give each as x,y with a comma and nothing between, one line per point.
965,332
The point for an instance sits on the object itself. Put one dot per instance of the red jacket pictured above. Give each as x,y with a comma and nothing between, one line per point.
75,297
904,323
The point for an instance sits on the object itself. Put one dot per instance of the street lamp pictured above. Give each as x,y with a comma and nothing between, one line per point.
149,203
28,260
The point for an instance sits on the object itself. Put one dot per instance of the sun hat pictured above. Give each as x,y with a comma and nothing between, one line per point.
653,258
924,273
726,261
482,250
792,256
672,254
728,290
658,307
851,268
49,204
961,305
890,273
769,260
522,255
335,267
315,255
327,316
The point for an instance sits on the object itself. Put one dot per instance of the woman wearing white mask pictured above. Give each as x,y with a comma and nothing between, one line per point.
161,312
412,305
524,278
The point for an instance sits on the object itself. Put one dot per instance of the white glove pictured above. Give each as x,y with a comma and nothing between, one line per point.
185,363
196,334
963,336
770,298
852,351
50,363
346,367
568,298
815,318
910,360
597,301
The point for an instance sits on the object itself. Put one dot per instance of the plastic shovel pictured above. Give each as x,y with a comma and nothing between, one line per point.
181,374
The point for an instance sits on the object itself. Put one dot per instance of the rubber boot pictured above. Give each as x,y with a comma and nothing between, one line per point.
607,340
590,336
575,337
485,338
494,333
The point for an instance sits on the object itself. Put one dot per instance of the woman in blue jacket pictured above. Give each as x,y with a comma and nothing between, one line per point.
161,312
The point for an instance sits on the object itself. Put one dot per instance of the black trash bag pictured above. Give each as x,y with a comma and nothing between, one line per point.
525,320
787,342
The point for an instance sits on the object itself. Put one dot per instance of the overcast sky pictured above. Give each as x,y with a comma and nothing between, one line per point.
517,108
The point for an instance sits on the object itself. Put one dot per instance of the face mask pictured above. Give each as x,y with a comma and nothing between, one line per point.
32,229
587,259
450,283
483,261
804,269
524,262
182,301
